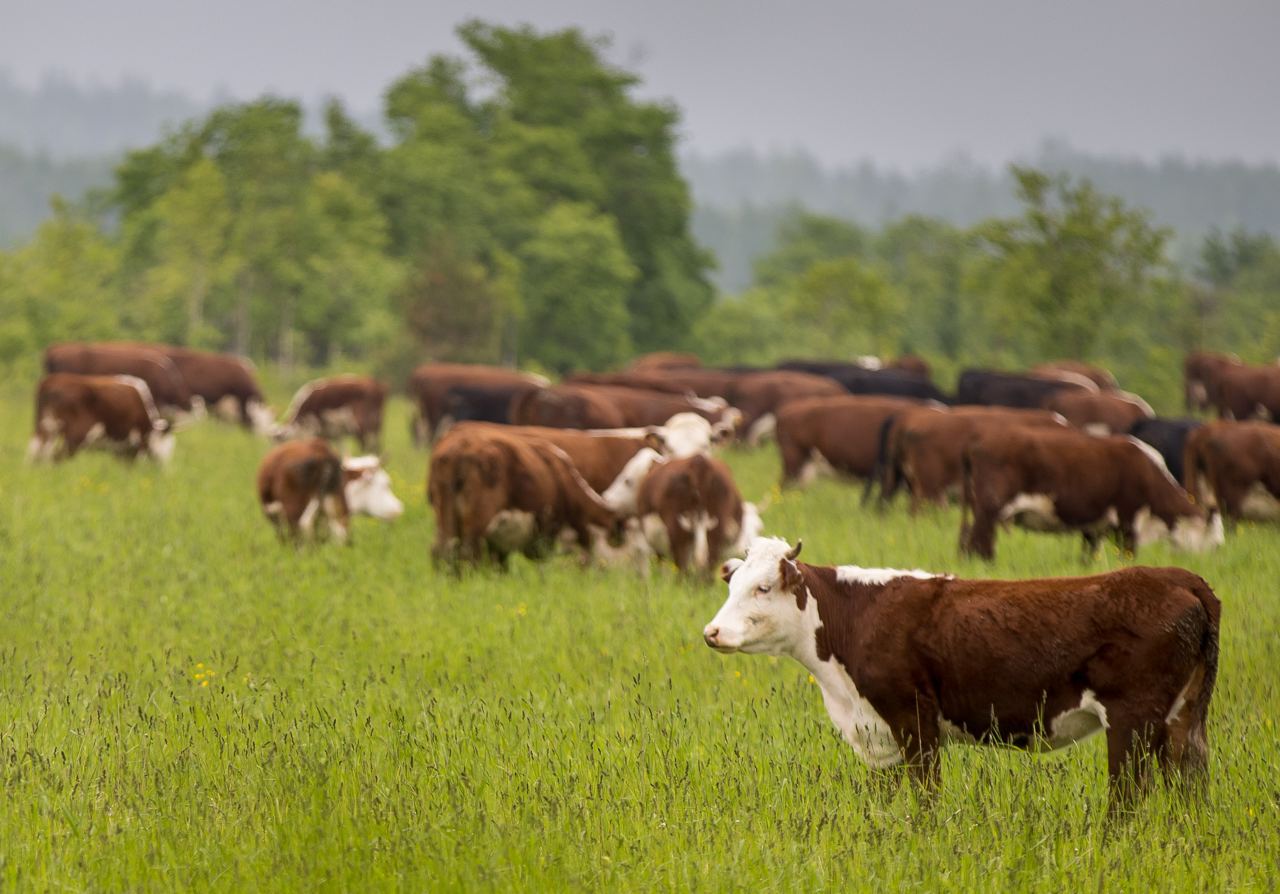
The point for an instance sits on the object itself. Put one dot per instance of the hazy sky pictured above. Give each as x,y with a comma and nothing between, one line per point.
904,83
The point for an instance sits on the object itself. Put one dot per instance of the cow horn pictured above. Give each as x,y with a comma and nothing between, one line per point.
795,550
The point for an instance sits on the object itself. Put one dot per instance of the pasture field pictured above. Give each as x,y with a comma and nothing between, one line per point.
186,705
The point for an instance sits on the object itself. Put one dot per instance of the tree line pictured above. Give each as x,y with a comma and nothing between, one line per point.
528,208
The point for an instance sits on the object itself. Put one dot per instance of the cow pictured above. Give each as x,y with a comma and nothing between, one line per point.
923,448
1096,374
334,408
991,388
1201,371
480,403
700,382
1169,438
494,494
114,412
840,434
1069,481
429,385
909,661
1244,391
168,389
863,378
1235,467
1099,413
910,363
759,397
610,406
303,482
226,384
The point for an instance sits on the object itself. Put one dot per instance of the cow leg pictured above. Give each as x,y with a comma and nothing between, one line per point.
918,736
1092,541
1135,737
335,512
1186,754
980,538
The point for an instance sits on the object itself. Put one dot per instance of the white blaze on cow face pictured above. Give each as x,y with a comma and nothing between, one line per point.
621,496
369,493
1191,534
687,434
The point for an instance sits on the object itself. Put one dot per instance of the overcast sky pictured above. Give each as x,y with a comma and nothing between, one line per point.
904,83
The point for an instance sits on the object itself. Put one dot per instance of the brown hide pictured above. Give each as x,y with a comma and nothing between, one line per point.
168,389
1247,392
71,405
294,474
680,489
599,458
1096,374
844,430
1201,371
759,394
1106,412
1225,460
342,405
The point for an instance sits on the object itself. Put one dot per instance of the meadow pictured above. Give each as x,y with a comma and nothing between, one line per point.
187,705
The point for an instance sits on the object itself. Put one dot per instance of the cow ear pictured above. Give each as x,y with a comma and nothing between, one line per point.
789,572
654,440
728,568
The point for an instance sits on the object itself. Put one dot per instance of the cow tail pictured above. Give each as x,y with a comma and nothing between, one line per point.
1191,466
966,495
1208,649
884,470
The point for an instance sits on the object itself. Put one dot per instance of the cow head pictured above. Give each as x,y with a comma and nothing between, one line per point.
1196,533
763,612
260,418
367,487
161,443
621,496
687,434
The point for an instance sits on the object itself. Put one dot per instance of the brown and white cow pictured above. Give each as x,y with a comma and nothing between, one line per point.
1235,467
1058,481
168,388
610,406
841,434
334,408
429,386
1103,378
224,382
923,448
1102,413
908,661
494,494
117,413
301,483
1201,372
1243,391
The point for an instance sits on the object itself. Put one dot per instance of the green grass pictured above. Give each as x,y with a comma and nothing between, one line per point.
371,725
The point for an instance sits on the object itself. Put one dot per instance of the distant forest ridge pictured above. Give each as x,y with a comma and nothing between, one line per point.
742,196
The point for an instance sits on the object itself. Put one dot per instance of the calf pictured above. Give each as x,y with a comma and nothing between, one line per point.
1068,481
1100,413
909,661
334,408
301,482
1235,466
1169,438
837,433
114,412
494,494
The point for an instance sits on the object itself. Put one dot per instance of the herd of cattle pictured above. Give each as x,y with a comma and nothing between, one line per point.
620,464
621,467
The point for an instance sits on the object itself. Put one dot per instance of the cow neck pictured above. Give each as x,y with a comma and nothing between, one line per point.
831,612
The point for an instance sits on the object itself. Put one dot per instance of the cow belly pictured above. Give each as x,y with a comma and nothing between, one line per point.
1078,723
227,408
511,530
1259,504
1037,512
339,422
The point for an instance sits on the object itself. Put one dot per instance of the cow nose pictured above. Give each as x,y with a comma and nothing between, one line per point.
711,635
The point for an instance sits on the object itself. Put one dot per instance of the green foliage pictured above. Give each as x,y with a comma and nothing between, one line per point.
806,239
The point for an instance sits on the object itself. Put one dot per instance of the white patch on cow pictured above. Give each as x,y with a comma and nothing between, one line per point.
261,418
1143,407
953,734
1258,504
655,533
853,574
621,496
370,493
706,404
764,428
332,512
307,521
752,526
760,617
1078,723
95,433
161,444
511,530
1032,511
291,414
699,524
227,408
687,434
1097,429
273,509
1190,533
339,421
816,467
868,361
1199,393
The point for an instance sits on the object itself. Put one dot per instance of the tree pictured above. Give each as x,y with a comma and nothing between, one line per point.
805,239
844,308
576,276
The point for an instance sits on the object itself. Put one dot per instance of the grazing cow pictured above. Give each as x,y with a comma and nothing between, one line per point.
1068,481
334,408
610,406
1201,371
1000,389
688,509
1248,392
301,482
1074,368
480,403
225,383
430,383
168,389
908,661
115,412
923,448
1235,467
700,382
1099,413
864,378
494,494
840,434
1169,438
759,397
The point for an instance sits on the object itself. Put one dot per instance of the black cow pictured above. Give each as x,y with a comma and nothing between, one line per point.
481,403
858,379
1169,437
999,389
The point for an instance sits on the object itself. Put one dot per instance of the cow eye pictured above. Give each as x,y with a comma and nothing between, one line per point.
764,588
